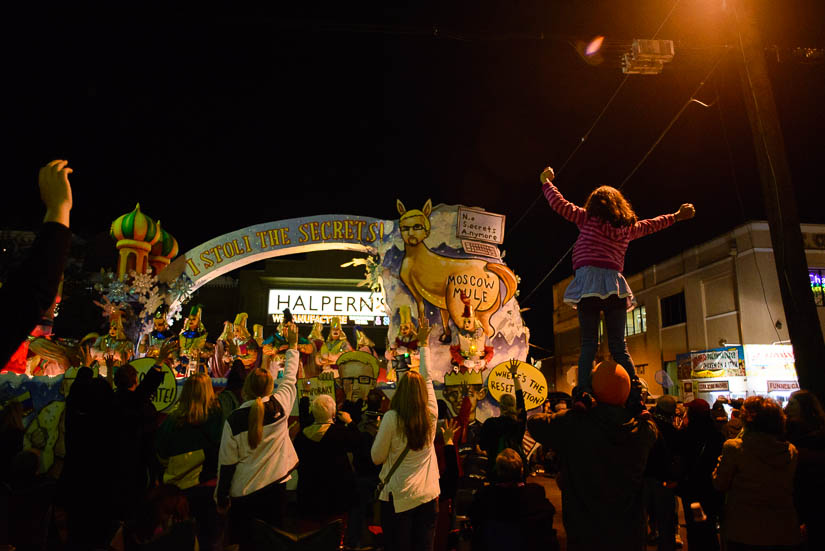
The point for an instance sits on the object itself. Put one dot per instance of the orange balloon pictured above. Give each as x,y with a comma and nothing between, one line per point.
611,383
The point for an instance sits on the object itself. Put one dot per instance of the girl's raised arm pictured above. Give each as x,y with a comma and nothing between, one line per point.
557,202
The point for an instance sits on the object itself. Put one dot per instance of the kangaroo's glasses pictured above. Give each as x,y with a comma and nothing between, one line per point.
417,227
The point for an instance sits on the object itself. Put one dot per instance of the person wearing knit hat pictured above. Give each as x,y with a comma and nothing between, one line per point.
602,453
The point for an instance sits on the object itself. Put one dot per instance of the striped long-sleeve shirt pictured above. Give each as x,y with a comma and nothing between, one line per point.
599,243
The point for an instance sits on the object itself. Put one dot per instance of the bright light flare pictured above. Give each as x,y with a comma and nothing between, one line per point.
594,46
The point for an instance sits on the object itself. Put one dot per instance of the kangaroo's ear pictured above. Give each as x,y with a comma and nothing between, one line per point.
428,207
400,206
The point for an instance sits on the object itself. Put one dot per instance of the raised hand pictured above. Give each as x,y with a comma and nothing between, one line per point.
448,430
291,335
166,350
344,417
110,361
547,174
685,212
56,192
88,355
512,367
423,332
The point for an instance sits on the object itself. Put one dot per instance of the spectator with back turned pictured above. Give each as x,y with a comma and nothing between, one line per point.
699,445
510,514
602,454
134,418
256,455
756,472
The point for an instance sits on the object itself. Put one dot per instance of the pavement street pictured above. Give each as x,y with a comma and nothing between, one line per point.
554,495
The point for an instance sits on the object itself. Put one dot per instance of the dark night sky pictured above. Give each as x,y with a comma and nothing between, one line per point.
215,121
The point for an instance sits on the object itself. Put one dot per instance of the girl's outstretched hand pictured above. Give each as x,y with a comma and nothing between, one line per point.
547,174
686,212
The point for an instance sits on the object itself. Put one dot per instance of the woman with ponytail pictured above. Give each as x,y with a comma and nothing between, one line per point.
256,454
409,497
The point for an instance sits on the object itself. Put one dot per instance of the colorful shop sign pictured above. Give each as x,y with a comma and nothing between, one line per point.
718,362
532,381
770,360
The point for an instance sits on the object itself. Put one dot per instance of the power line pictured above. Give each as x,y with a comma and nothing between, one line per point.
650,150
586,135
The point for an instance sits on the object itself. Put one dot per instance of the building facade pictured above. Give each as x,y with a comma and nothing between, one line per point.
720,298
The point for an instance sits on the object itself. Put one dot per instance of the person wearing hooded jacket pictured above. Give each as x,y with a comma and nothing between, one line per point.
602,455
756,472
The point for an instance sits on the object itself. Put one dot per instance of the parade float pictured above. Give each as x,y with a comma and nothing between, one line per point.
441,263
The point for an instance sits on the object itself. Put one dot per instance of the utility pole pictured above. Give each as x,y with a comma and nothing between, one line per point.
780,203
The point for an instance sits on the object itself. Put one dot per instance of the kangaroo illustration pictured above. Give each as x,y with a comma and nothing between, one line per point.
440,280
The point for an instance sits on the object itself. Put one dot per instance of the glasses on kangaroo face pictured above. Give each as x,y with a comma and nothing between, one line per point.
417,227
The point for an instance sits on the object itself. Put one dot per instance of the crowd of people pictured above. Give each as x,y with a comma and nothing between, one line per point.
233,470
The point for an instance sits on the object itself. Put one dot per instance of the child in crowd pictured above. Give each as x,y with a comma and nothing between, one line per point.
606,225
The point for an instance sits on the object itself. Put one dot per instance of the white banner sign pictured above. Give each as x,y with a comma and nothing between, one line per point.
713,386
302,302
480,225
783,385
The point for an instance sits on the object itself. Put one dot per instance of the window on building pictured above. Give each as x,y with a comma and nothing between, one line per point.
818,285
673,309
636,321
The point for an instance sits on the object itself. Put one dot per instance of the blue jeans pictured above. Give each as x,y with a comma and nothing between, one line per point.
615,318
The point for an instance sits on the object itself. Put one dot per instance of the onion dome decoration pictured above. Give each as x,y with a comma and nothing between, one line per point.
135,226
163,251
135,234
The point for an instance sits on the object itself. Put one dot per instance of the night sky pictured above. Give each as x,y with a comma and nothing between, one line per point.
214,121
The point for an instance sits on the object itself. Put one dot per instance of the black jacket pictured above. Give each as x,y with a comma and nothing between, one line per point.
31,289
602,455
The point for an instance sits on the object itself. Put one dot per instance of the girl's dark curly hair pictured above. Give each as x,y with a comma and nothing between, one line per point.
608,204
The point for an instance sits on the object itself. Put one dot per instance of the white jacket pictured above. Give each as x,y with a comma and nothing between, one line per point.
274,457
415,481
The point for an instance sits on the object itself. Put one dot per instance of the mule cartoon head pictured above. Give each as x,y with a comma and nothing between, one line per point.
414,224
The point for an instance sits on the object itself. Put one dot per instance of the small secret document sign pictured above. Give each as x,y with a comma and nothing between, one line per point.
480,225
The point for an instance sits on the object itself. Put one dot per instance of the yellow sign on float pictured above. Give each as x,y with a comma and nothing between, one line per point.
166,394
533,383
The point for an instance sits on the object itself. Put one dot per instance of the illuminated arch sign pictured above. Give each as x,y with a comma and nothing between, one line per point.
298,235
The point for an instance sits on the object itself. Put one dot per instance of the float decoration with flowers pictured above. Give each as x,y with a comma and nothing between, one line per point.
134,292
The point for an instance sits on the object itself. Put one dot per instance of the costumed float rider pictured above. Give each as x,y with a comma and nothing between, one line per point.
403,351
276,346
469,348
335,345
150,343
221,361
115,344
248,349
192,339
